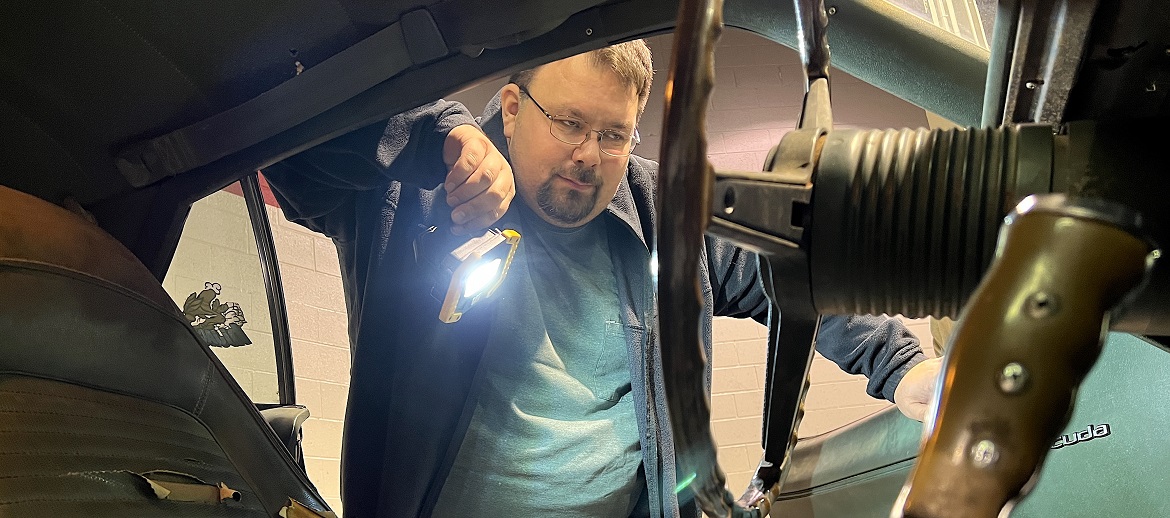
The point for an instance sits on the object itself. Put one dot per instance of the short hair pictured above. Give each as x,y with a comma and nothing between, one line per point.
630,60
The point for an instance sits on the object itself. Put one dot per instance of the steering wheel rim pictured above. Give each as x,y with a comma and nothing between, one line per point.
685,182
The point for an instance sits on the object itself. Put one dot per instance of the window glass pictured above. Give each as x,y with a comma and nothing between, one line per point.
216,279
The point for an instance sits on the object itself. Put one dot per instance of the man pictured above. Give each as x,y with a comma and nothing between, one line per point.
549,398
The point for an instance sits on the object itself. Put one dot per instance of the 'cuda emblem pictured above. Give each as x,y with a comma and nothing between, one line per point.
1093,431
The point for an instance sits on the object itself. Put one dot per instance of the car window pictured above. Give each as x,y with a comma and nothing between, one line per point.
216,278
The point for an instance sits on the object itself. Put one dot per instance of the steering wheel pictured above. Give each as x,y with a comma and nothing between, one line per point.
770,212
684,193
768,221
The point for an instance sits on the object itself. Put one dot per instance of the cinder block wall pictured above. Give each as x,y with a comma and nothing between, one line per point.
320,343
217,246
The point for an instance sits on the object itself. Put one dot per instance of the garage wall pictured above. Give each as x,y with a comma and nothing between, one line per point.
218,246
320,345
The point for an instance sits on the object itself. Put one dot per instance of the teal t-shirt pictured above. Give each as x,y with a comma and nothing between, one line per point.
554,429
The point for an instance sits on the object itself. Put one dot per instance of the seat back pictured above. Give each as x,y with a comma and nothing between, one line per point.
106,395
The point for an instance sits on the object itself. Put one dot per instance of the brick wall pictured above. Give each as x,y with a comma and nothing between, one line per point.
320,345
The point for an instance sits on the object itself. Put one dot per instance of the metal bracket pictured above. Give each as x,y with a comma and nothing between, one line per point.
758,204
1046,41
769,210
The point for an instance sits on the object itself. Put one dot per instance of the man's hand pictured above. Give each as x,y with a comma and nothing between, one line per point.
917,388
479,183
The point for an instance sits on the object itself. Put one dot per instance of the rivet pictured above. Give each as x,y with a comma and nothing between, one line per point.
832,10
984,454
588,32
1013,378
1041,305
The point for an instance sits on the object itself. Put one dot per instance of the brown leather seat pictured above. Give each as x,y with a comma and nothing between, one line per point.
105,393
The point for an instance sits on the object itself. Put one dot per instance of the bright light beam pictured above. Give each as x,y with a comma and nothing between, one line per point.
481,277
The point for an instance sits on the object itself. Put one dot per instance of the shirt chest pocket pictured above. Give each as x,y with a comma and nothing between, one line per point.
610,375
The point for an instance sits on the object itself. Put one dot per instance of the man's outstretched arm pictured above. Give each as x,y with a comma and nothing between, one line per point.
434,144
879,347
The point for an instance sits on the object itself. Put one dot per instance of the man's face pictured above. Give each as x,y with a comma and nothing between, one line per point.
567,185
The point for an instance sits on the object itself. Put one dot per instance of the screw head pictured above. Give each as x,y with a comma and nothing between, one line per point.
729,201
1031,85
1012,378
984,453
1041,305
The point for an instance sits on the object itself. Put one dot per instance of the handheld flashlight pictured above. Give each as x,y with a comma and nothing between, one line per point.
468,274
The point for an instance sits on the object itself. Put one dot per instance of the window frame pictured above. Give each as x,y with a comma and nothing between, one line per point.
273,287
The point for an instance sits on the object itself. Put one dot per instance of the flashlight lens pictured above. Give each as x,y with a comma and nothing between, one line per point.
481,277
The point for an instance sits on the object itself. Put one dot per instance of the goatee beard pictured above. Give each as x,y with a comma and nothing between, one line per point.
571,206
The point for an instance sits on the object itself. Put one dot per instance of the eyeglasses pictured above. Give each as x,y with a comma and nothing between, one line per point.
574,131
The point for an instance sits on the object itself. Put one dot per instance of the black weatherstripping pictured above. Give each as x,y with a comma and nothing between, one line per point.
270,268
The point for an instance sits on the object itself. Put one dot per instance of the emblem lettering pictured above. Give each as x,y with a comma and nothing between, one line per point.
1100,430
1093,431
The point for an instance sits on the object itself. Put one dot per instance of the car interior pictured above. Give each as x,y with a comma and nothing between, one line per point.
119,116
111,405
